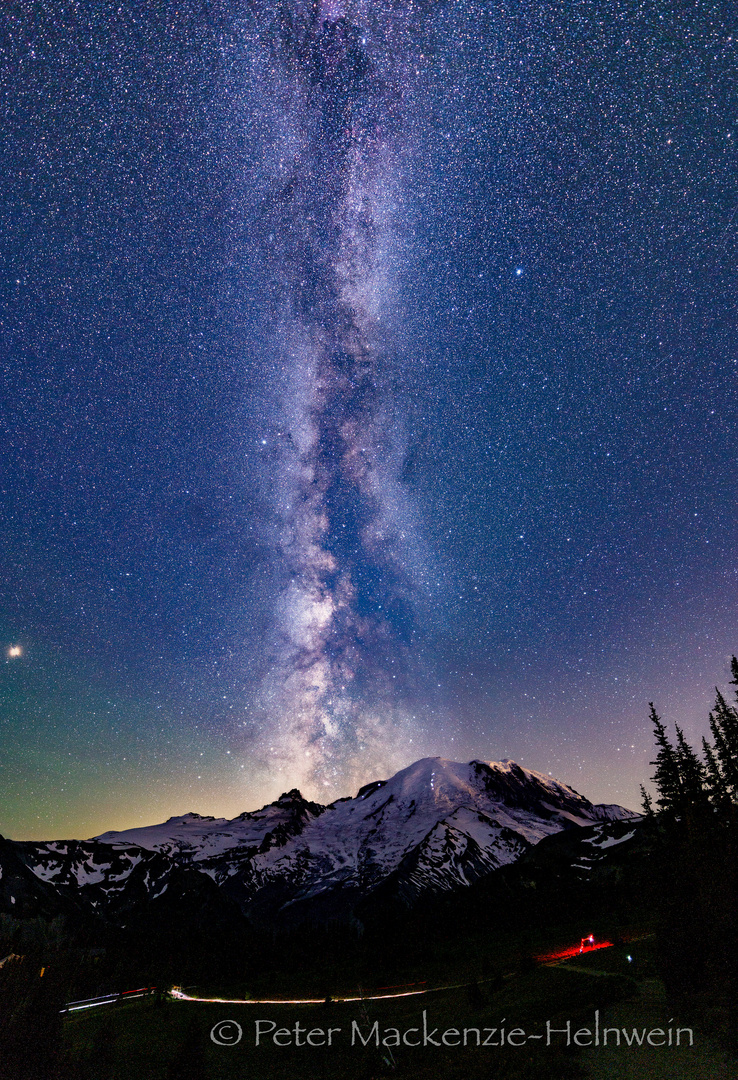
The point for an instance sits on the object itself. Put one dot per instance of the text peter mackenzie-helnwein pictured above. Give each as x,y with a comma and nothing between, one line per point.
424,1034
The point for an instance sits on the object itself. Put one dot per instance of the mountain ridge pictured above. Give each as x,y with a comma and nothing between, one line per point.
435,826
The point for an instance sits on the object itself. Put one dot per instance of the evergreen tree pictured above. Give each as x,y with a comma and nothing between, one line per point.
647,802
714,782
691,772
724,727
667,776
734,671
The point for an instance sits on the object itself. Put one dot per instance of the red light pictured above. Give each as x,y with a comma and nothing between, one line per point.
587,944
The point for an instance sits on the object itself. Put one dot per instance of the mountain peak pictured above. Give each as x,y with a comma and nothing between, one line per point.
293,795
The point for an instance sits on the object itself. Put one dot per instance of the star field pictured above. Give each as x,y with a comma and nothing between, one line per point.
368,392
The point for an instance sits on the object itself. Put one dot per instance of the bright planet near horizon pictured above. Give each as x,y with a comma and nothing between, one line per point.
369,394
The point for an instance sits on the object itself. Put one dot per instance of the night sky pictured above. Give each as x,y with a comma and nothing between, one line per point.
368,385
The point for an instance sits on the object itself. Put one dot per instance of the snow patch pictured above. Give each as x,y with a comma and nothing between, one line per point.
612,840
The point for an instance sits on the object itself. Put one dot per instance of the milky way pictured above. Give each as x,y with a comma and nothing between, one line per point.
344,646
369,392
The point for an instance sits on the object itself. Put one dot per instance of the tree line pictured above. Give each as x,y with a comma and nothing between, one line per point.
686,782
693,828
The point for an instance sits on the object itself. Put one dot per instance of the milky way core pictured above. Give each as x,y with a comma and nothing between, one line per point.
343,652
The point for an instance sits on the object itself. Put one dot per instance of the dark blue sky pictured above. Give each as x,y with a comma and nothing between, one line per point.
368,392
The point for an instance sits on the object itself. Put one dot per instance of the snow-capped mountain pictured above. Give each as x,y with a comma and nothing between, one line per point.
435,826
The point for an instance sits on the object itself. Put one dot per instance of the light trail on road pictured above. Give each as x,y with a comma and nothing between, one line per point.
180,995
